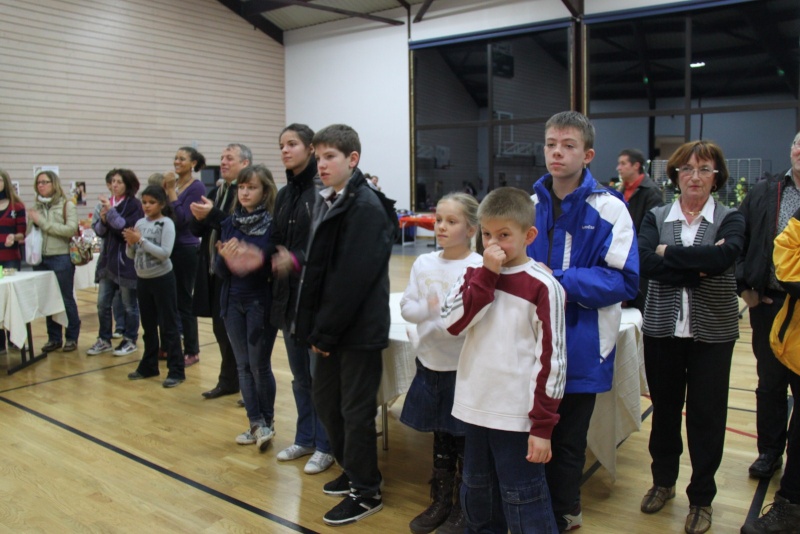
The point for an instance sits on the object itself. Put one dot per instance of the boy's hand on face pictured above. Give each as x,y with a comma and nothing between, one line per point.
493,258
538,450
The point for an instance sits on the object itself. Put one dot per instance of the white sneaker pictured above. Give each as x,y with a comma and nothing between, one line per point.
125,347
264,435
318,463
245,438
293,452
100,346
574,518
117,335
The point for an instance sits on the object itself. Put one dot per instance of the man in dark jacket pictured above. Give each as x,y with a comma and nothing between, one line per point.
208,216
767,209
642,194
343,314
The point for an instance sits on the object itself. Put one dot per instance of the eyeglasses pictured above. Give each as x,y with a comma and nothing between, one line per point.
44,182
796,144
702,172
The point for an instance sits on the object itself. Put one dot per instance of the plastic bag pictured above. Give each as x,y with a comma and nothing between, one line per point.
33,247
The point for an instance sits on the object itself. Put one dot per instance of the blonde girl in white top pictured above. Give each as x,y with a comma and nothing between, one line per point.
430,398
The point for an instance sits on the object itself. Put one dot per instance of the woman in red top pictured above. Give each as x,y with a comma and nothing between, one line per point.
12,231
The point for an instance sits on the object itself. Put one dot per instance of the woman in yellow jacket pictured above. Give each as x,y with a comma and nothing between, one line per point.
57,218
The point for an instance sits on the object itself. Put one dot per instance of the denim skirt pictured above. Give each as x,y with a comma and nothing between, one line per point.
429,402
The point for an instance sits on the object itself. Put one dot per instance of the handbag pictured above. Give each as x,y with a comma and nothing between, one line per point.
33,246
784,338
80,249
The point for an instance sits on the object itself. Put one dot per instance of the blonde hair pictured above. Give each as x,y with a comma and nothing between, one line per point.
469,206
509,203
58,193
156,178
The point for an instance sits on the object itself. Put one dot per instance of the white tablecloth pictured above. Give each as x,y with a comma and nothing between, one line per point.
26,296
617,413
84,275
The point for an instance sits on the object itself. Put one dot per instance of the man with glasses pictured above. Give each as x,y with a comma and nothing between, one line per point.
767,209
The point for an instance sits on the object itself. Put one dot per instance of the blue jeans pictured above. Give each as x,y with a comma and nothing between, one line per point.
252,339
309,431
501,490
65,273
13,264
105,299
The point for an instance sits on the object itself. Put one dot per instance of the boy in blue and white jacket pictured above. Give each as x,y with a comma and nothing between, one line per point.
587,239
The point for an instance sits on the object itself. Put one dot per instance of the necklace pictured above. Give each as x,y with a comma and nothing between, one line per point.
691,213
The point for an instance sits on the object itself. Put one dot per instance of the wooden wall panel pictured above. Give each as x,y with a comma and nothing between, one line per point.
90,85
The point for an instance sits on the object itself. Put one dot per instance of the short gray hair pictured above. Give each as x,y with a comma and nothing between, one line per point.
244,152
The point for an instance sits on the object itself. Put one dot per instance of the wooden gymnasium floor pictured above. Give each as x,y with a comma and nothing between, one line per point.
82,449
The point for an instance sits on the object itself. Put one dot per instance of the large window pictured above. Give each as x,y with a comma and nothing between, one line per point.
727,74
480,108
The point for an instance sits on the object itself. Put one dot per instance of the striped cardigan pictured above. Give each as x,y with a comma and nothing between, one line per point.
713,304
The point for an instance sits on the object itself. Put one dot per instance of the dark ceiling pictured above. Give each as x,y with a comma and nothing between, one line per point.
750,48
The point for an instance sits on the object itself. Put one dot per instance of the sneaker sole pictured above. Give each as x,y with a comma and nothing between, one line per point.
349,520
290,458
336,492
263,445
116,353
317,469
91,352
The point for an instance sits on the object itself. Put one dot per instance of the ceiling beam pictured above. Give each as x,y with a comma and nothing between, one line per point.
404,4
256,7
256,20
575,7
423,10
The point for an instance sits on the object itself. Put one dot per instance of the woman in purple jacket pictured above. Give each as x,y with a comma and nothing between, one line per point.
182,189
115,271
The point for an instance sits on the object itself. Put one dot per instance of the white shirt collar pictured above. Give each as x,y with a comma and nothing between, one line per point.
676,213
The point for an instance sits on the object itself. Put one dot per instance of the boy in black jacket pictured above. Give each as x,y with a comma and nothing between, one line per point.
343,314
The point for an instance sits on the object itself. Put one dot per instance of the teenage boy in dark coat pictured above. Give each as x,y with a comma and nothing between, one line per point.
343,314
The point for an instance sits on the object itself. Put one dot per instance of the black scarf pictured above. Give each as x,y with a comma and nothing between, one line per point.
254,223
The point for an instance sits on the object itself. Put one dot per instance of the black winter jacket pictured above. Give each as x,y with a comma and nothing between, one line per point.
205,302
290,228
761,208
343,299
646,197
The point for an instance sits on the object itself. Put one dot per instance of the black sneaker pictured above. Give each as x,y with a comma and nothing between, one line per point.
353,508
338,486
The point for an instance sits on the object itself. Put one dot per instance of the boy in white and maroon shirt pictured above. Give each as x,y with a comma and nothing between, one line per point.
511,371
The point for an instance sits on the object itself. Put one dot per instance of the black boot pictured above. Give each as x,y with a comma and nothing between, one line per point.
456,522
442,496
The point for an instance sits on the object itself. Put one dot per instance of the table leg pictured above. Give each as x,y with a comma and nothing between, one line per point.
26,354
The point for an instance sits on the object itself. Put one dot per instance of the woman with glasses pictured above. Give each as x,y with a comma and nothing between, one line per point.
687,250
57,218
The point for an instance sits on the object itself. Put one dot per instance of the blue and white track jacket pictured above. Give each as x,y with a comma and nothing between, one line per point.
596,259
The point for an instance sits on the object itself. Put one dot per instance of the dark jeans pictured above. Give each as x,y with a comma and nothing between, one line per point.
159,311
184,265
118,309
10,264
790,482
678,369
65,273
228,373
105,302
501,490
568,444
252,339
309,431
772,410
345,394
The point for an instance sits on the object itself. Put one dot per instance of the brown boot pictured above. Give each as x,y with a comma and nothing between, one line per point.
442,496
456,521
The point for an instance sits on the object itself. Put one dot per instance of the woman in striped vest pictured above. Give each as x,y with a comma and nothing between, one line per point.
688,250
